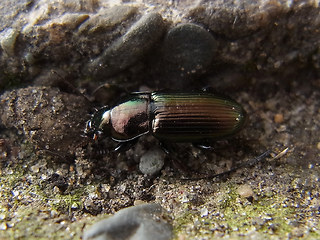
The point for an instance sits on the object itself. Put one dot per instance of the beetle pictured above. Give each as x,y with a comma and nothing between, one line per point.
195,117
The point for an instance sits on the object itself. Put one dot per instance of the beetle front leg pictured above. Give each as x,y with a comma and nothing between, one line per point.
124,146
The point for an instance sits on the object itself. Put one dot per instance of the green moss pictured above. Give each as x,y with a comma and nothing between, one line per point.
10,181
34,220
272,218
62,202
237,217
34,210
182,221
36,224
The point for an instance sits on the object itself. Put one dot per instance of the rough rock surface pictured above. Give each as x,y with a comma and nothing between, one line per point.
51,119
264,54
82,37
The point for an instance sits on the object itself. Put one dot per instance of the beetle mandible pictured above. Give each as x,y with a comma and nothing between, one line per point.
195,117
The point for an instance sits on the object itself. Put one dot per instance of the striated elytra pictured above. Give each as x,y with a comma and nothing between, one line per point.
195,117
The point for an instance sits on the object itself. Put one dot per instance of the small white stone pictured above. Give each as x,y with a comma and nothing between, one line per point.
8,40
204,212
3,226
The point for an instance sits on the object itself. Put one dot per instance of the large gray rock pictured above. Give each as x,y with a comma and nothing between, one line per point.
141,222
100,40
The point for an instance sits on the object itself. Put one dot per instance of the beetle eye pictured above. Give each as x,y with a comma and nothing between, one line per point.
88,127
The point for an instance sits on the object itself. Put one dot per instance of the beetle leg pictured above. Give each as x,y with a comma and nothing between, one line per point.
208,89
248,163
167,148
124,146
203,145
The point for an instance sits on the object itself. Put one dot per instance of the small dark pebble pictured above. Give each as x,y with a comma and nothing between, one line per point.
142,222
92,206
58,181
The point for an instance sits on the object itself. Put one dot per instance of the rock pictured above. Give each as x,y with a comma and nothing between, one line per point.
9,12
92,206
51,119
59,181
97,40
107,19
152,161
107,93
262,35
8,40
138,222
188,49
245,191
124,52
53,39
235,19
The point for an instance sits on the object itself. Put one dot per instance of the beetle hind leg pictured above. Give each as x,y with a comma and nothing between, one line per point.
167,147
203,145
124,146
208,89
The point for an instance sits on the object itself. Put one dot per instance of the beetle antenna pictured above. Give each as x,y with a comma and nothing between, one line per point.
64,158
248,163
71,86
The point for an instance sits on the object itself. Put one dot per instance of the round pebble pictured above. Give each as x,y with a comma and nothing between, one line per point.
152,161
245,191
189,49
278,118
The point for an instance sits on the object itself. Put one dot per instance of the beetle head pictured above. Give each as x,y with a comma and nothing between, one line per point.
99,124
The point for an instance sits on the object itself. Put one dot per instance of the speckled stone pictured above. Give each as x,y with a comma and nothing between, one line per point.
152,161
142,222
125,51
187,52
188,49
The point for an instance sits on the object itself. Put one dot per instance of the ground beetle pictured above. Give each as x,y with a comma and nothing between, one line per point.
195,117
